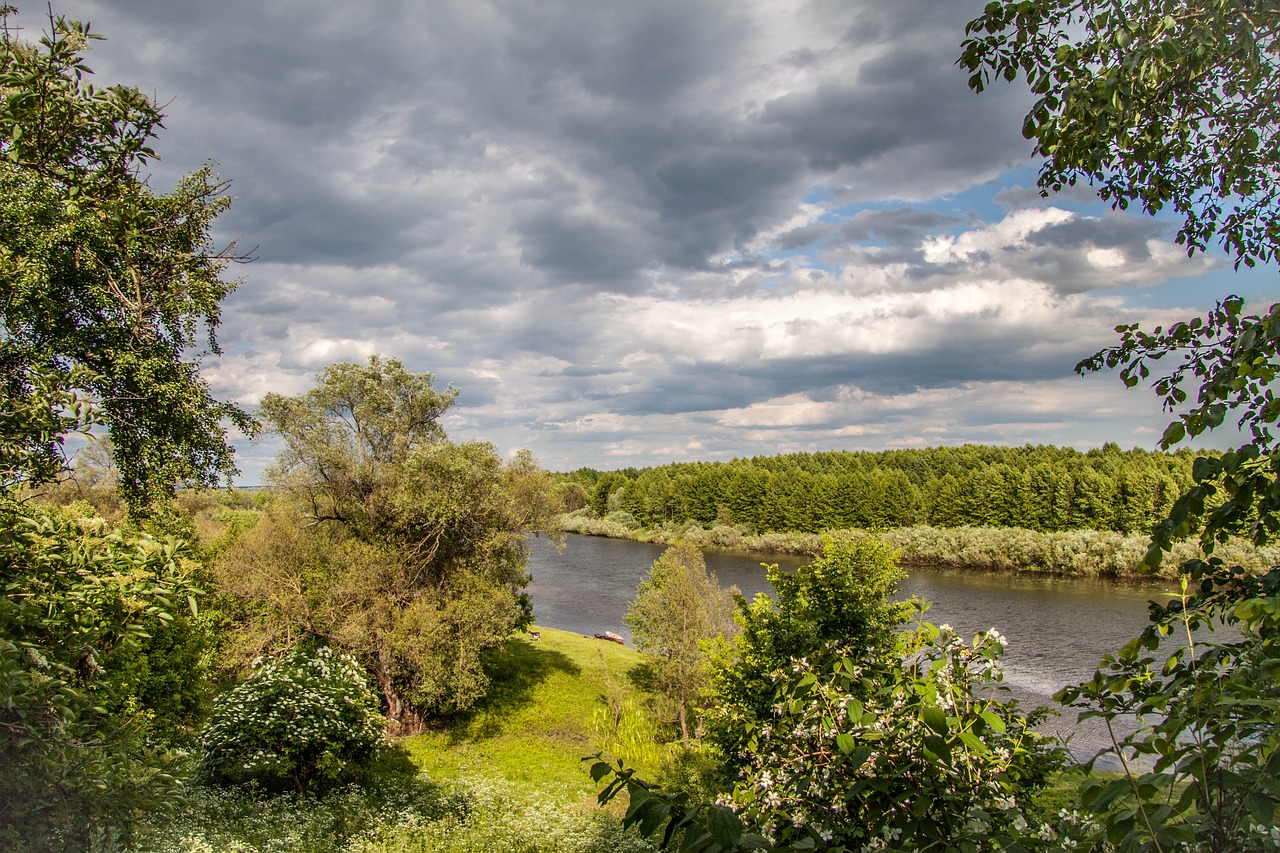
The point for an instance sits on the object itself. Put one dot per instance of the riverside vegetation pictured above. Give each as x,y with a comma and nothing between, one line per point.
1028,509
152,631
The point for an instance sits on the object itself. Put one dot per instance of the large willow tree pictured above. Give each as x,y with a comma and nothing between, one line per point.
396,544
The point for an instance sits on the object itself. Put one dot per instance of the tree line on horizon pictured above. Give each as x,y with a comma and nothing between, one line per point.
1036,487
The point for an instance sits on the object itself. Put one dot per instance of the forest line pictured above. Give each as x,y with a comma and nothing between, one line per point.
1034,508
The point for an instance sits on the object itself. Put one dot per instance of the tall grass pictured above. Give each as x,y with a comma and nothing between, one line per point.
416,817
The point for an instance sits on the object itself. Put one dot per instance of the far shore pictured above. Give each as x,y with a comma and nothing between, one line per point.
1014,550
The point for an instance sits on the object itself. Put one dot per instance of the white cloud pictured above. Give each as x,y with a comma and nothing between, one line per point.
639,232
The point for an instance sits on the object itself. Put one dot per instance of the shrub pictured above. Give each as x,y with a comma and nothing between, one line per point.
1201,770
623,518
913,756
307,719
839,605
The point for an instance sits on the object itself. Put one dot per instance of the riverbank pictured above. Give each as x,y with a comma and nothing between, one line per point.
1070,553
506,776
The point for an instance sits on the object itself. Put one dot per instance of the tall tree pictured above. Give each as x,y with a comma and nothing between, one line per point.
100,272
398,545
679,609
105,289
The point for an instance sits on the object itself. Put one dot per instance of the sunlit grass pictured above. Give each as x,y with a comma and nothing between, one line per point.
506,776
542,714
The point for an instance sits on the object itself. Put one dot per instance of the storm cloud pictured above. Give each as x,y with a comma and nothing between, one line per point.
639,232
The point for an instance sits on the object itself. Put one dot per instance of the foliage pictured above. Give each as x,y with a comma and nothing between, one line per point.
355,427
917,751
837,606
96,661
1043,489
1203,769
394,544
107,290
1177,103
422,642
306,720
1170,103
1157,102
912,757
103,279
678,611
1234,358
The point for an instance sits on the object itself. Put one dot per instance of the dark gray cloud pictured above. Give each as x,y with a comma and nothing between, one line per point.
622,228
901,226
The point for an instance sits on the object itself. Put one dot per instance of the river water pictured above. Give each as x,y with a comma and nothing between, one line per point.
1057,628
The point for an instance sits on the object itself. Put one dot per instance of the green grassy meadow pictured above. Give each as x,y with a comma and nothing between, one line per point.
506,776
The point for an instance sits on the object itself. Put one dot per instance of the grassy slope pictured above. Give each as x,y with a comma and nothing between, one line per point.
535,723
506,776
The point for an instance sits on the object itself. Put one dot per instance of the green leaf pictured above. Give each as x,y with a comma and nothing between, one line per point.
1173,434
934,717
994,721
1261,808
725,826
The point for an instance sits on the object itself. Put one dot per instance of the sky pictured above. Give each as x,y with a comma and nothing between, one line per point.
634,233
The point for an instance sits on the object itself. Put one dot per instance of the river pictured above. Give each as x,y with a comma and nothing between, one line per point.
1057,628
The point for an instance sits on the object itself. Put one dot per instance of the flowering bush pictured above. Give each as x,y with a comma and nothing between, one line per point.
305,719
905,754
909,756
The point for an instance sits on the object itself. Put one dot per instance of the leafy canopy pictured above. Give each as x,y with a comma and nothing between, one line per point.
1161,103
103,279
848,735
394,544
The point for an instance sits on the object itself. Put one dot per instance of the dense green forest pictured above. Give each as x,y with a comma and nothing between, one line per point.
1041,488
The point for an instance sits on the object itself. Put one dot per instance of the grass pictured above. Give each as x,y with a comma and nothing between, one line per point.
506,776
545,709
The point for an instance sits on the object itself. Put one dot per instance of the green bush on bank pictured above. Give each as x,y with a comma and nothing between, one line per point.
306,720
1077,553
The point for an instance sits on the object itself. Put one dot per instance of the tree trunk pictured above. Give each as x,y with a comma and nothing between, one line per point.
404,718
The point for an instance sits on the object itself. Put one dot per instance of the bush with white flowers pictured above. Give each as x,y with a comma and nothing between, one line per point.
304,720
924,754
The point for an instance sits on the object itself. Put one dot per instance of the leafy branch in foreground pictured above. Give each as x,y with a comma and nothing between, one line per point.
1233,359
1203,769
1169,103
1176,103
